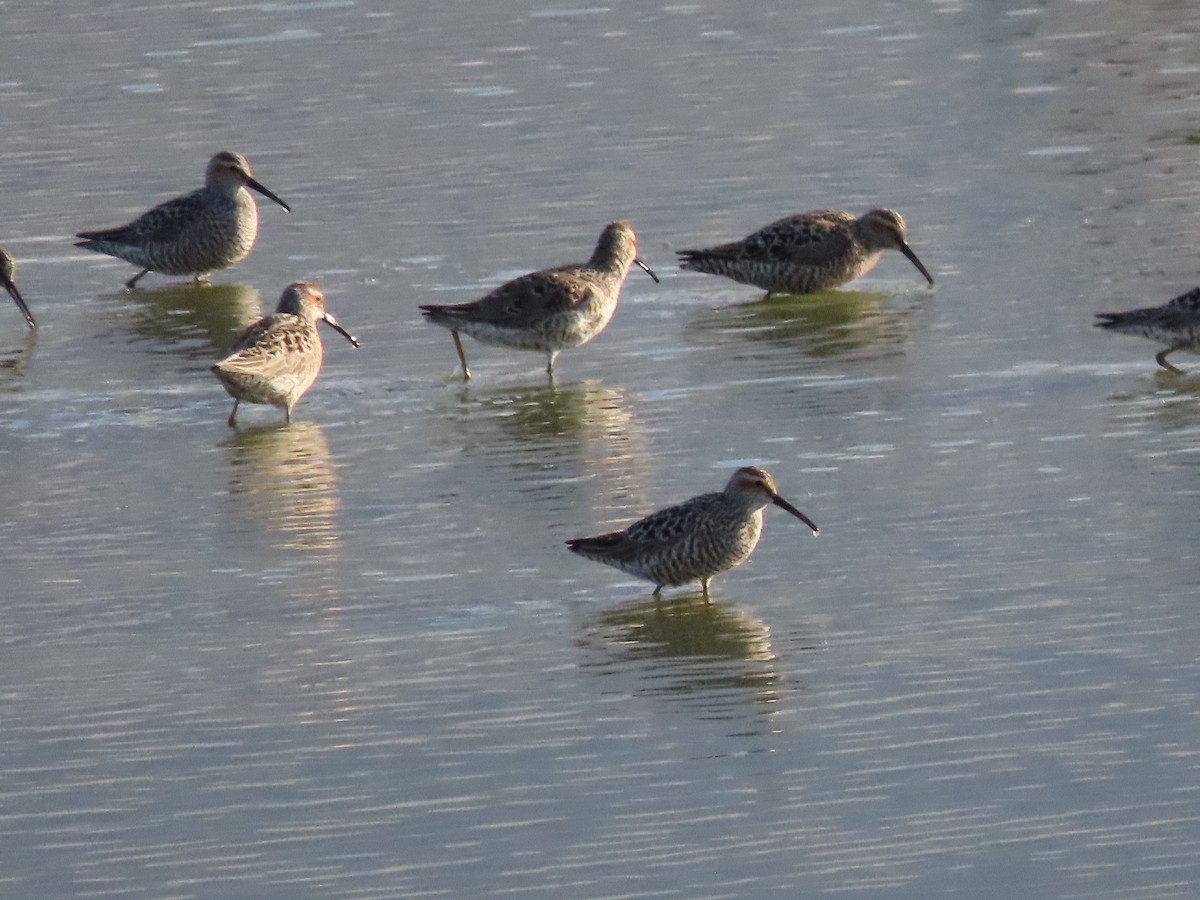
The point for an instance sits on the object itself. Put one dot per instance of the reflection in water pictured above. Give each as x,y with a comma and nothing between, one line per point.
15,360
710,655
818,325
581,432
282,477
282,480
1168,400
201,320
582,410
1187,383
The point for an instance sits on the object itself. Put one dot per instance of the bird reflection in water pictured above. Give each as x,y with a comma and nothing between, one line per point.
836,323
283,478
711,655
199,322
14,360
283,483
1168,401
583,434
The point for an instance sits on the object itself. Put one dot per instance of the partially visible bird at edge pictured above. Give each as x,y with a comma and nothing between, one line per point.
807,253
550,310
210,228
1176,323
278,357
8,269
695,540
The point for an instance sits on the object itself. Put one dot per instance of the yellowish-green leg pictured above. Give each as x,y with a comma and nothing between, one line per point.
1161,358
462,357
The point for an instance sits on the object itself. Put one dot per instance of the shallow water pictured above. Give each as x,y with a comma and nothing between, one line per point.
351,658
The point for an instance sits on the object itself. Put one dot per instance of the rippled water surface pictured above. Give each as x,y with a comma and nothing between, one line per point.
351,657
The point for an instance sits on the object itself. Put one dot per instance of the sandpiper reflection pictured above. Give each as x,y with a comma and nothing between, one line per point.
582,438
836,323
199,322
14,359
710,655
283,479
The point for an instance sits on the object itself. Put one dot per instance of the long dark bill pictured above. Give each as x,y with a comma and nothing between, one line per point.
20,301
783,504
912,258
252,183
333,323
649,271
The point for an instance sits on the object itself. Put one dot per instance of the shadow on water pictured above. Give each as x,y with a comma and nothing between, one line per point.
282,478
835,323
711,656
201,321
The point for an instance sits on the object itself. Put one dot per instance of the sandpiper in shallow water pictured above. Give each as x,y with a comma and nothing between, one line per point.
551,310
696,539
807,253
1176,323
8,270
278,357
210,228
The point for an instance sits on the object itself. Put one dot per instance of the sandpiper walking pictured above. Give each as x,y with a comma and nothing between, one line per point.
210,228
8,270
278,357
1176,323
696,539
551,310
811,252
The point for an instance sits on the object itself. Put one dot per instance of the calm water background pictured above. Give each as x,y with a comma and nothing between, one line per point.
351,658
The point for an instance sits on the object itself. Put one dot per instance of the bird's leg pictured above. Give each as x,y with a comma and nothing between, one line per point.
550,357
658,590
132,282
462,357
704,588
232,420
1161,358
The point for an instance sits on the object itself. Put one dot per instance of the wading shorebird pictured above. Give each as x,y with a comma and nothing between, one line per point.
278,357
1176,323
210,228
551,310
695,540
8,269
808,253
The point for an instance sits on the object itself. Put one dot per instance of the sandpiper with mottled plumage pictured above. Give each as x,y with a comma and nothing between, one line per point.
807,253
551,310
278,357
1176,323
8,270
695,540
210,228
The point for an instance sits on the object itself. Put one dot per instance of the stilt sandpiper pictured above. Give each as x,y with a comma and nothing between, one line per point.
1176,323
8,270
278,357
551,310
696,539
808,253
210,228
